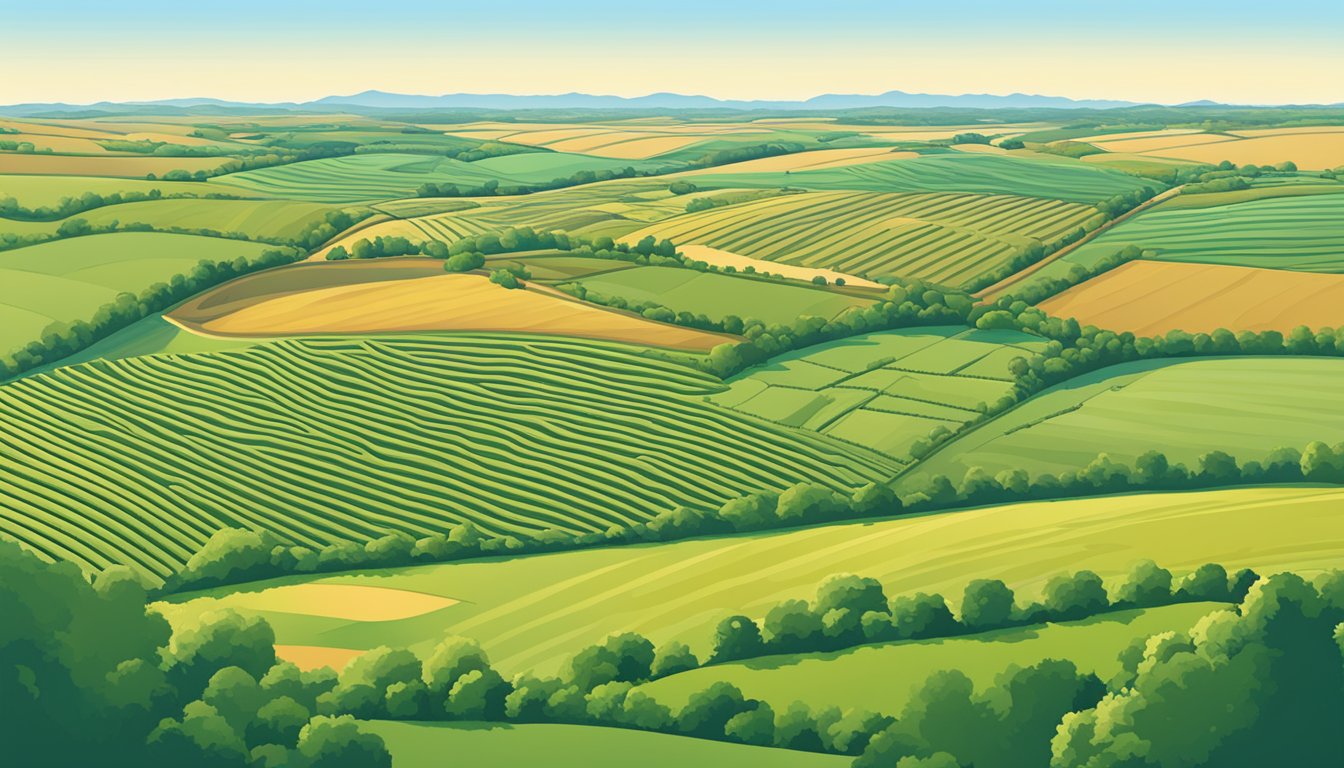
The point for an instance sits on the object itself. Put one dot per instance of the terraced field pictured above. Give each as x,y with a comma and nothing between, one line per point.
945,238
983,174
392,175
1304,232
531,612
66,280
884,390
1244,406
139,460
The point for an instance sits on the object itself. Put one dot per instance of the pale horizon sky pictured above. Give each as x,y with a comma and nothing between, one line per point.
1140,50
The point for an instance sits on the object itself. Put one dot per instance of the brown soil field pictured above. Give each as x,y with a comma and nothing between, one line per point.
410,295
1151,297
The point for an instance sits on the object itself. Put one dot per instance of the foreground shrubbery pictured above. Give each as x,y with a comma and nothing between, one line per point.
89,676
1245,687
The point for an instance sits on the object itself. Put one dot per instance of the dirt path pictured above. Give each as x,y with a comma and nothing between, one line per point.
998,289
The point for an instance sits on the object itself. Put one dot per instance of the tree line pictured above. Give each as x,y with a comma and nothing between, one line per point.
849,611
62,339
1246,685
234,555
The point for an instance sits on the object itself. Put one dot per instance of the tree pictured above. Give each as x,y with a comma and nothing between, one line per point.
986,604
672,658
1146,585
736,637
338,742
707,712
478,695
1075,596
505,278
792,626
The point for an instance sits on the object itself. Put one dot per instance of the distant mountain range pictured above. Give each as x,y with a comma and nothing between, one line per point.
382,100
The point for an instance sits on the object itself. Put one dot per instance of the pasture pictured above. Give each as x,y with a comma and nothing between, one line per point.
532,612
1151,298
941,237
392,175
138,461
44,191
423,745
264,219
1301,232
410,295
718,295
884,390
882,677
1245,406
66,280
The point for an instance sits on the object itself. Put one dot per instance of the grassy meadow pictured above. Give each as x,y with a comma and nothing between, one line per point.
1184,408
532,612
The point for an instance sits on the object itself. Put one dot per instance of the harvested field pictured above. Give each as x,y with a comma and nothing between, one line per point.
1152,298
740,263
411,295
814,160
1308,150
350,602
127,167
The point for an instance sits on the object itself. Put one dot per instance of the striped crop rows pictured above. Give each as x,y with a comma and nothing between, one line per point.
138,461
945,238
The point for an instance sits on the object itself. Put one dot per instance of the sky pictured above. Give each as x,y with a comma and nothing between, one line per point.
1168,51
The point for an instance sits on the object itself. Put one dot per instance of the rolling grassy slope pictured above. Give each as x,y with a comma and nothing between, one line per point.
531,612
985,174
719,295
138,461
1244,406
945,238
381,176
882,677
65,280
282,220
1304,233
884,390
424,745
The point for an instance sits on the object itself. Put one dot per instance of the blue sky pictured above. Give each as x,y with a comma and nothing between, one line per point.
1284,51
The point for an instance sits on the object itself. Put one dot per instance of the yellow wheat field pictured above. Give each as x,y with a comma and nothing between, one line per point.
356,300
726,259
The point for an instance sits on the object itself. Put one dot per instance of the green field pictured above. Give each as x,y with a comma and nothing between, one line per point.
266,219
951,172
66,280
881,678
139,460
1244,406
719,295
884,390
42,191
948,238
531,612
378,176
1302,232
497,745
